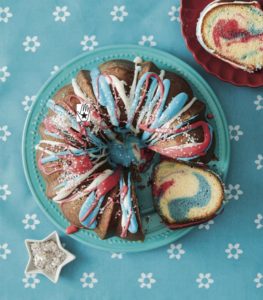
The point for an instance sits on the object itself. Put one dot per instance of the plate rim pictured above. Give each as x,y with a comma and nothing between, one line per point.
136,246
210,70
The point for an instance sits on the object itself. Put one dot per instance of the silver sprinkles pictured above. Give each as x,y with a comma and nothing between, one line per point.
47,256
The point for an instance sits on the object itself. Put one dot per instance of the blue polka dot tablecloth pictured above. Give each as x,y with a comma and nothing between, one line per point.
222,259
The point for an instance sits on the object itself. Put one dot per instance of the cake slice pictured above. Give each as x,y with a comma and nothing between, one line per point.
233,32
129,220
106,220
186,195
115,214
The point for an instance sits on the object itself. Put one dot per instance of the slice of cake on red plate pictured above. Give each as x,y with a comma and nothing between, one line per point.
233,32
186,195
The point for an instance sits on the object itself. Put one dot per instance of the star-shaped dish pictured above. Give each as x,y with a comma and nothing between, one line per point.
63,259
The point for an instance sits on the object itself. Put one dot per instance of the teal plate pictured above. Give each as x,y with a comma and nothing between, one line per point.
156,234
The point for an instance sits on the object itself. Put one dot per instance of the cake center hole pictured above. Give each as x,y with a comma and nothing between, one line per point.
125,151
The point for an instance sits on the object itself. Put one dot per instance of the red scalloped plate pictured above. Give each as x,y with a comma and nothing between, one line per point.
190,11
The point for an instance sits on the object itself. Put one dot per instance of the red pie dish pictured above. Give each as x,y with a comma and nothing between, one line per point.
190,12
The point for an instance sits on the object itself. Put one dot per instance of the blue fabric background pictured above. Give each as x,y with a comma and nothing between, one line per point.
118,278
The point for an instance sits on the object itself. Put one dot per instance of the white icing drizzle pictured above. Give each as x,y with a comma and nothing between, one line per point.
73,183
127,207
37,147
182,146
120,87
51,143
54,143
97,181
149,108
162,74
168,124
78,91
184,109
91,155
137,70
137,60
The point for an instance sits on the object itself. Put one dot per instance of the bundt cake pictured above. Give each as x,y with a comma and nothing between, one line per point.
186,194
134,114
233,31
